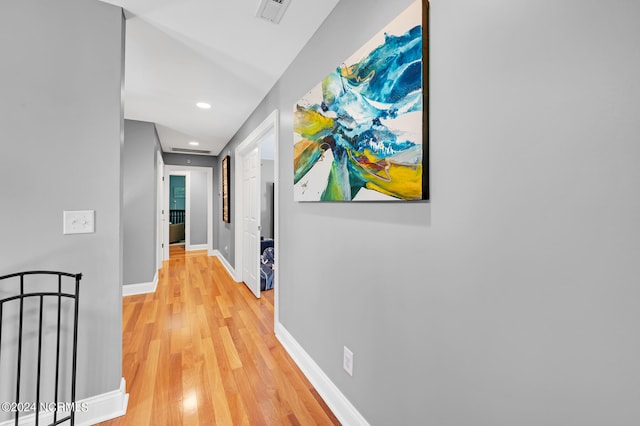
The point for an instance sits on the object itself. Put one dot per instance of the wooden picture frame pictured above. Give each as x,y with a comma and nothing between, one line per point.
226,191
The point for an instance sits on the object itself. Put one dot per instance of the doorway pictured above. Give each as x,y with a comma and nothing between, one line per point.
196,216
248,206
177,214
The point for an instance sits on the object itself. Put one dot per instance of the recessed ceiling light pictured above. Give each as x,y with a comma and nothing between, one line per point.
194,143
203,105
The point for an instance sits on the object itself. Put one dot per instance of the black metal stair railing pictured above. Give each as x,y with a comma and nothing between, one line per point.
15,302
176,216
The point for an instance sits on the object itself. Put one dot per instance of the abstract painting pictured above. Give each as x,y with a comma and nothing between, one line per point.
362,133
226,192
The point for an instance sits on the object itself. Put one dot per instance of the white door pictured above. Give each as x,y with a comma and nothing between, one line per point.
251,220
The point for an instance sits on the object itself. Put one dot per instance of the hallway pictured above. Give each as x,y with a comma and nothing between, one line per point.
201,351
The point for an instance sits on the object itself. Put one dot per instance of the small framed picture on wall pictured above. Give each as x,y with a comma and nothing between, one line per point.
226,195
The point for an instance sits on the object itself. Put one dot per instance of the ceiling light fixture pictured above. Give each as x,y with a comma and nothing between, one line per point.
194,143
203,105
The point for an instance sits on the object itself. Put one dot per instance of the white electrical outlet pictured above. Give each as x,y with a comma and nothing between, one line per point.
347,361
78,222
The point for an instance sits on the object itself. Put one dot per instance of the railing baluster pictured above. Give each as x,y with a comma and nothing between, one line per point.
75,349
55,410
176,216
19,346
39,362
1,307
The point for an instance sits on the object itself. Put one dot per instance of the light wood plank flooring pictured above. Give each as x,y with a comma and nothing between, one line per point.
201,351
176,250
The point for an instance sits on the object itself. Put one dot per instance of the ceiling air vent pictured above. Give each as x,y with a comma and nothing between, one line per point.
191,151
272,10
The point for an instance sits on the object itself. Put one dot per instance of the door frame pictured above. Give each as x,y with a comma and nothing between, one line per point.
186,171
270,124
160,217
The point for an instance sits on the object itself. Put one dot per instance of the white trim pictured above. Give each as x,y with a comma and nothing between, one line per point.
170,170
140,288
197,247
269,124
276,222
187,210
186,171
106,406
99,408
341,407
226,264
159,210
248,143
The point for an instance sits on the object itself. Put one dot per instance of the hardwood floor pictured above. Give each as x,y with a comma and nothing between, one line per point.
201,351
176,250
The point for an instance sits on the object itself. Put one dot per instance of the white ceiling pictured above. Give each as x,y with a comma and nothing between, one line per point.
180,52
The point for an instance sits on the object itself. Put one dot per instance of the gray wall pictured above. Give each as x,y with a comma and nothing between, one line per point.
198,211
140,176
61,128
511,298
190,160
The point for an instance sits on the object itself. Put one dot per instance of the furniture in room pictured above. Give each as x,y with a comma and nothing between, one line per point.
176,225
176,232
267,258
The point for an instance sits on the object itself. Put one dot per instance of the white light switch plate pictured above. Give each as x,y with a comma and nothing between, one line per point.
79,222
347,361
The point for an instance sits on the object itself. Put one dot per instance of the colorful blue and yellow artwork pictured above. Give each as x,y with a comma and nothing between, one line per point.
360,134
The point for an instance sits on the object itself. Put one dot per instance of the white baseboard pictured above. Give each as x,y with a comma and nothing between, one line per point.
141,288
226,264
337,402
197,247
89,411
105,407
